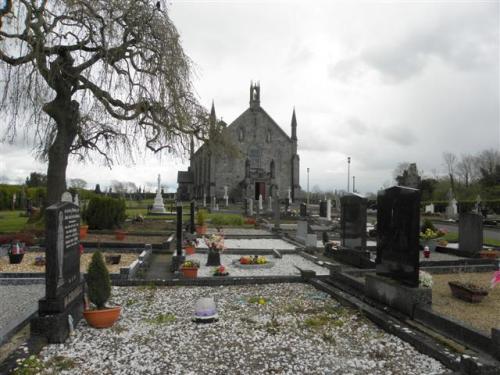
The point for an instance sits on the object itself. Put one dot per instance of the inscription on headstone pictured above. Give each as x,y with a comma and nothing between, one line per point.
398,222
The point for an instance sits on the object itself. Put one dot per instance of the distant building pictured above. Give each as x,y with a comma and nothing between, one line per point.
266,160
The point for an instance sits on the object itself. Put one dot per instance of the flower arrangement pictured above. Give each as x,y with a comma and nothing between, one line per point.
215,242
425,279
256,259
17,248
430,234
190,264
220,271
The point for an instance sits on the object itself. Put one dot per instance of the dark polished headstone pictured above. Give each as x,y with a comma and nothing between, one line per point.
276,212
353,221
322,209
470,233
398,227
303,209
64,286
179,229
191,222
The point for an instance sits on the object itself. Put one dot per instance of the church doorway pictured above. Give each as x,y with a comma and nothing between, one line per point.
260,188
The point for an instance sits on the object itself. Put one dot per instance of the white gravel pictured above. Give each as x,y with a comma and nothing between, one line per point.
261,244
282,267
299,330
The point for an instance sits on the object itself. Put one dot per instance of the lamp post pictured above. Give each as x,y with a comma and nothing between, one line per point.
307,186
348,172
353,184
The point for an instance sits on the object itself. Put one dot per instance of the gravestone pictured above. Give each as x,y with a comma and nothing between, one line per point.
328,209
270,203
353,221
158,207
276,212
398,226
303,209
178,258
64,287
191,218
429,208
305,234
250,207
470,233
322,209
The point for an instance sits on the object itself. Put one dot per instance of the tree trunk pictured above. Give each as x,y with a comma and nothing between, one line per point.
65,113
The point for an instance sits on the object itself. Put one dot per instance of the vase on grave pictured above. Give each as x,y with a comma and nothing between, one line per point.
213,259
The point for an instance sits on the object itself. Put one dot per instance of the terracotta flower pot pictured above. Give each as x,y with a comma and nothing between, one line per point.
120,235
190,250
201,229
84,231
190,273
104,318
488,254
467,292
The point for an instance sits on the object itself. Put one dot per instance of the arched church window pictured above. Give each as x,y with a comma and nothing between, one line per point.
272,169
241,134
268,136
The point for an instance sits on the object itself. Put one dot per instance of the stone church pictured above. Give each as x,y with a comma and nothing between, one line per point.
266,161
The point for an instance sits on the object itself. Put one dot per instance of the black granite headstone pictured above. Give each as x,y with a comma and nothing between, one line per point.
179,230
322,209
398,223
64,286
303,209
191,223
276,210
470,233
353,221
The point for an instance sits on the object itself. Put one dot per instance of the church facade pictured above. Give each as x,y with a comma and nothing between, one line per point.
265,163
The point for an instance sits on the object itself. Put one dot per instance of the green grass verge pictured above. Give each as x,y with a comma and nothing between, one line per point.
225,219
11,221
453,237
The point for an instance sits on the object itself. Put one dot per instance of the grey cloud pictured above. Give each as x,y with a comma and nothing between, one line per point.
400,135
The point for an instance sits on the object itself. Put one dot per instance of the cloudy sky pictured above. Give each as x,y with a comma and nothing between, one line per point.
380,81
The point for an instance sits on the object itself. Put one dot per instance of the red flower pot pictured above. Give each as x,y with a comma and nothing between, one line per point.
84,231
190,250
120,235
190,273
201,229
104,318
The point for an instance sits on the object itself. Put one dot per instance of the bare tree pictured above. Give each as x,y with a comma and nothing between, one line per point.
399,170
466,168
119,187
450,161
110,75
487,160
77,183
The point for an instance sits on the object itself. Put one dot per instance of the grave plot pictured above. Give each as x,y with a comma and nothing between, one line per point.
286,328
253,244
285,266
29,262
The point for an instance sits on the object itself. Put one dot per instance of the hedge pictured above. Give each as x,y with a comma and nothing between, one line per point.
105,213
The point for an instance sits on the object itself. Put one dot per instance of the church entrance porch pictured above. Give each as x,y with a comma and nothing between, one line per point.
260,188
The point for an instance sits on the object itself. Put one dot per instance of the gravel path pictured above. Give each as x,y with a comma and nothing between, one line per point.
18,302
282,267
298,330
262,244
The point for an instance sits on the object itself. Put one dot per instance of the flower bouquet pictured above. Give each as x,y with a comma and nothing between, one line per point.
220,271
256,259
215,244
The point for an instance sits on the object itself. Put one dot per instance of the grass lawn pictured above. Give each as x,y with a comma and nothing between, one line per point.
453,237
10,221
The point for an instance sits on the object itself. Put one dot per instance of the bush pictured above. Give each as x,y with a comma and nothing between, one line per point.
98,281
227,219
105,213
201,217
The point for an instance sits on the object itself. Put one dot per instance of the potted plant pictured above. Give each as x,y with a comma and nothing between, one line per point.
189,245
189,269
201,217
215,244
16,252
120,234
469,292
429,237
99,291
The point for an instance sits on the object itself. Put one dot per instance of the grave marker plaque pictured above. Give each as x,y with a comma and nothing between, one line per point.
398,226
353,221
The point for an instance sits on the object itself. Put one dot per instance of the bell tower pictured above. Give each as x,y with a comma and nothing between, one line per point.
254,95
